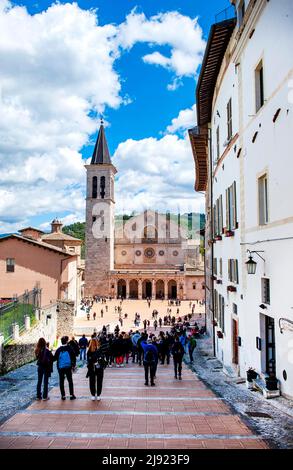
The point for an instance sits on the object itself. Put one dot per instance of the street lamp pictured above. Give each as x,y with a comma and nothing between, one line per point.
251,264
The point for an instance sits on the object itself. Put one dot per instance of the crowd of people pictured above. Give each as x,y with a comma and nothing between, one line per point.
117,349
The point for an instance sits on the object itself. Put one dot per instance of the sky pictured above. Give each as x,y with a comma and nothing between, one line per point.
66,64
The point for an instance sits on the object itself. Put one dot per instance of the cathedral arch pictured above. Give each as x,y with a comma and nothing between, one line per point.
172,289
150,234
160,289
133,289
121,288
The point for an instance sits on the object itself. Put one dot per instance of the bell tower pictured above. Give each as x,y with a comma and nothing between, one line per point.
99,258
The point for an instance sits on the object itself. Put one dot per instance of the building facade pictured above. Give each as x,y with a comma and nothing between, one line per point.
50,261
146,256
242,154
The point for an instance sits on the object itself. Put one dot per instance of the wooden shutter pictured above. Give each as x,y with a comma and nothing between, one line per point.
229,269
234,205
227,210
220,215
236,272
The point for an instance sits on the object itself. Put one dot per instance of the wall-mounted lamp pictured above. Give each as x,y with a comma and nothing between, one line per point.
251,264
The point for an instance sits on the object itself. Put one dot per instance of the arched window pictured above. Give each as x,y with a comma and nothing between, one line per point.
102,186
150,233
95,187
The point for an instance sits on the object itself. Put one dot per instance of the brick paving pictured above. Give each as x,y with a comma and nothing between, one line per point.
172,415
136,417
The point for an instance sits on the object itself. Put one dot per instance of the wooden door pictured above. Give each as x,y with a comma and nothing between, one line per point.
235,342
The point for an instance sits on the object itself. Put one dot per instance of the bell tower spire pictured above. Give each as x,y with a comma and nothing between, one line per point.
99,218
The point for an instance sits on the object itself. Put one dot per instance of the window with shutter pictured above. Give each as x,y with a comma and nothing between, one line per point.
263,200
229,119
220,215
234,205
227,211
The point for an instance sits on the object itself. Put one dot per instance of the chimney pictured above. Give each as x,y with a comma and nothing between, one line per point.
56,226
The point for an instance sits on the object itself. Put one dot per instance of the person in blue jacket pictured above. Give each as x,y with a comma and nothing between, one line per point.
150,360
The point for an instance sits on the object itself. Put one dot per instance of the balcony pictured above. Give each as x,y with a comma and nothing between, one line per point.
228,13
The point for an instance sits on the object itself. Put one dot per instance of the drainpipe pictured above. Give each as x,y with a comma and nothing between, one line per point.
212,232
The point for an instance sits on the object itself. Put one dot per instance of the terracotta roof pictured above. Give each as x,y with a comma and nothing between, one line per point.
101,152
199,143
30,228
36,242
219,38
60,236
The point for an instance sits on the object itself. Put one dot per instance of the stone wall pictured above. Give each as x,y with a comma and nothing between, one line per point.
65,318
54,321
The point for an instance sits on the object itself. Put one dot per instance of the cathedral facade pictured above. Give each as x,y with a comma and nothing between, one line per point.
149,255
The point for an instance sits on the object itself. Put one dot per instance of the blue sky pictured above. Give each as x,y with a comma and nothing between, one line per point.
132,92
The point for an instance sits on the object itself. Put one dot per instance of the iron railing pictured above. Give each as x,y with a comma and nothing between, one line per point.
226,14
15,312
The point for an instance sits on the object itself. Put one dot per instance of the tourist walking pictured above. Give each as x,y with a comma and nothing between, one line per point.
96,365
155,325
74,345
177,353
94,315
83,344
150,360
191,346
66,361
45,367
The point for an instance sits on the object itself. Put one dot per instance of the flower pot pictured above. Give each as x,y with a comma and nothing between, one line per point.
251,375
219,334
231,288
229,233
271,383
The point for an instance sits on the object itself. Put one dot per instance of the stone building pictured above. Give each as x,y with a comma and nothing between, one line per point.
148,256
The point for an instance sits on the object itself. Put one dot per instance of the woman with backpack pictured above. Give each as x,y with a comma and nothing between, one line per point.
96,366
45,365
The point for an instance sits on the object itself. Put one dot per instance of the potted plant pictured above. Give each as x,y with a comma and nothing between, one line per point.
229,233
271,382
231,288
214,323
219,334
214,278
251,374
219,281
218,237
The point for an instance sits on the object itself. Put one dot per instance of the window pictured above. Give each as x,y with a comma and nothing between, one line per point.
233,270
102,186
259,86
221,306
10,264
71,249
218,142
229,119
235,309
231,212
221,267
95,186
265,291
194,285
263,200
241,12
215,265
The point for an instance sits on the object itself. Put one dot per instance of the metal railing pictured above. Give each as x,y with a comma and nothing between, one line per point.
14,312
226,14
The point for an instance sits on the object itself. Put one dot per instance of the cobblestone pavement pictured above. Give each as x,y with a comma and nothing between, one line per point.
276,428
206,409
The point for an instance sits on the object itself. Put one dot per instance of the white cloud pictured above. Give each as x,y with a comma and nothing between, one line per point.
57,71
56,67
180,33
156,174
185,120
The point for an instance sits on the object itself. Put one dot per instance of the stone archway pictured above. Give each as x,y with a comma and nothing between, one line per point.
147,289
172,289
121,288
160,289
133,289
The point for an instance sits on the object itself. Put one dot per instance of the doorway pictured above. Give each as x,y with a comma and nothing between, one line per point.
235,346
270,346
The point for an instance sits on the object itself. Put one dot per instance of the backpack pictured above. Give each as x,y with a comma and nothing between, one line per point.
45,359
149,356
64,361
